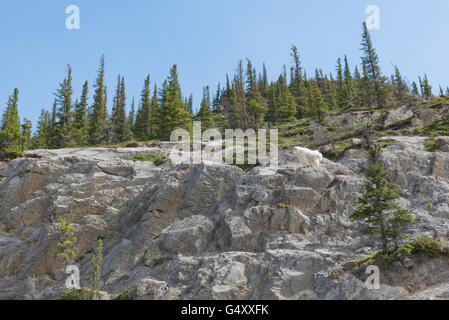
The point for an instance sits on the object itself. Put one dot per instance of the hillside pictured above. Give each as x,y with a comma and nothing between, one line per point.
214,231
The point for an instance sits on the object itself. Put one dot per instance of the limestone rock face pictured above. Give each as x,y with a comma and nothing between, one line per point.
209,231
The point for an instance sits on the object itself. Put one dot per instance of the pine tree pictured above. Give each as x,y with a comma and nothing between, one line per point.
64,113
131,117
370,61
286,101
205,114
342,88
297,85
331,93
155,112
401,88
173,114
98,117
143,129
10,137
217,98
264,82
426,89
42,137
316,105
349,81
120,129
415,90
80,121
255,107
377,207
25,134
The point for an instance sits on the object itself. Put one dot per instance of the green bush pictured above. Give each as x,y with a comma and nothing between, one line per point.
76,294
9,155
124,295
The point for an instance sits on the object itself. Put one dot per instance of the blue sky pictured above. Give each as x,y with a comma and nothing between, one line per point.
205,38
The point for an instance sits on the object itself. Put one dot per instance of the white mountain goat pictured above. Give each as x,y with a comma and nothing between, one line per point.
308,157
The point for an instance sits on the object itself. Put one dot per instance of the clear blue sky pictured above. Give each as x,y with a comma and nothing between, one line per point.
206,38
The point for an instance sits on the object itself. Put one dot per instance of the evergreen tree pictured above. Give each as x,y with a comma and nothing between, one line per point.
98,117
173,114
370,61
401,88
64,113
297,85
80,122
42,138
216,99
189,104
205,114
143,129
317,107
377,207
131,116
331,93
255,107
415,90
25,134
426,89
342,88
349,81
155,112
120,129
286,101
10,137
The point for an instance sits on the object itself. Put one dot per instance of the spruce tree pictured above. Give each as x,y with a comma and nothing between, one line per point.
64,113
155,113
426,89
297,85
173,115
317,107
255,107
401,88
217,98
377,208
415,90
42,137
342,88
25,134
370,61
98,117
10,137
120,129
286,101
80,121
131,116
143,128
205,114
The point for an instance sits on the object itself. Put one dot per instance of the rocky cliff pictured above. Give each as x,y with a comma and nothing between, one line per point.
213,231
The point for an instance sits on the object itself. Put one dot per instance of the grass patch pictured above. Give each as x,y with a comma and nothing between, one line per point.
439,128
437,103
430,144
155,158
384,143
